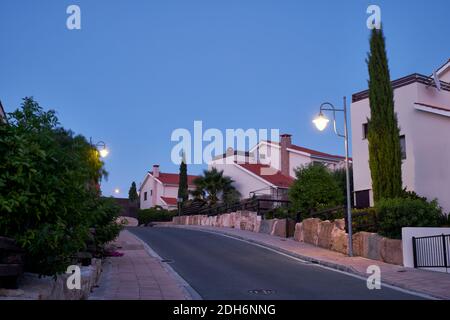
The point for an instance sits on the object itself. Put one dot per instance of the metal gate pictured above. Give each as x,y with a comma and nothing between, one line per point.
432,251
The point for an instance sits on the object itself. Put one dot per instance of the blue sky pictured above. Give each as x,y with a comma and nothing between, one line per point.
137,70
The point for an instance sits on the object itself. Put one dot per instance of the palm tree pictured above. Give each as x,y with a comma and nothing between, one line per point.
213,186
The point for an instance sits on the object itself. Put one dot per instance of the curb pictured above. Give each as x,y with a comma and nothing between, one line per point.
327,264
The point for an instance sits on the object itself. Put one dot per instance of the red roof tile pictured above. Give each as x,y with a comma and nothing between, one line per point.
278,179
170,201
311,151
174,178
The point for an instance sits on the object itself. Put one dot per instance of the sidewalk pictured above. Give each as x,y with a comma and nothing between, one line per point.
434,284
136,275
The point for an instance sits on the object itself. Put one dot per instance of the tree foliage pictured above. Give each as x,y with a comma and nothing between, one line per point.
341,179
183,191
314,189
385,159
132,193
213,186
49,195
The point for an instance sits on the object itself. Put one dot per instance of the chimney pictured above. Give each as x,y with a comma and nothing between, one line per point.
285,143
156,170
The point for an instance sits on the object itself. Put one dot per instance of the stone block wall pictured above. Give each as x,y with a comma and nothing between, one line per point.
331,235
243,220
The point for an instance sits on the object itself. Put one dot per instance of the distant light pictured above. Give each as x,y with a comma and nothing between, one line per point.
321,122
117,191
104,152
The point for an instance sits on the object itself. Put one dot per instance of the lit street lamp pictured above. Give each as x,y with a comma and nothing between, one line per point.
101,148
321,122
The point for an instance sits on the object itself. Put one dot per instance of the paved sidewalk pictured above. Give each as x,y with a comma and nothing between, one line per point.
136,275
434,284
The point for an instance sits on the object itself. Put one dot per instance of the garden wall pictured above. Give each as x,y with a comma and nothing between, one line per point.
329,235
33,287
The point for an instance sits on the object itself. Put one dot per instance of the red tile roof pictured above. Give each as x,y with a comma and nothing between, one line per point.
315,153
170,201
174,178
311,151
278,179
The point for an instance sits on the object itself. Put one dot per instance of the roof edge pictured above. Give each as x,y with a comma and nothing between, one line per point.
404,81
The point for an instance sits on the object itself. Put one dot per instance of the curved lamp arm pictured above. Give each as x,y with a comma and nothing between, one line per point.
327,106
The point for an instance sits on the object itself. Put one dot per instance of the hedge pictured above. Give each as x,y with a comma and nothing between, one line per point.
146,216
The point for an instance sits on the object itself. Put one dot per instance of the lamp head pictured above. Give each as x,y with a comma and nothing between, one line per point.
321,122
103,152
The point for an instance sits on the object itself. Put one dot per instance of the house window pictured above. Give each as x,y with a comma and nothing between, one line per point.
151,192
403,146
145,196
365,130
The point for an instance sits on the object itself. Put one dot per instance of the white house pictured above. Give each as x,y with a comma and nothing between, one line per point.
423,112
161,189
269,167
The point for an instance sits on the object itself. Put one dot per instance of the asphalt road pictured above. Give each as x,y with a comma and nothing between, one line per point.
222,268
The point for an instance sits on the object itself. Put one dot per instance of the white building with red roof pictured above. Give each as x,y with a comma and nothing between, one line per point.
268,169
161,189
422,105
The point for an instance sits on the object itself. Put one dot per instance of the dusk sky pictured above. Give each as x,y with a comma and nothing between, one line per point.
137,70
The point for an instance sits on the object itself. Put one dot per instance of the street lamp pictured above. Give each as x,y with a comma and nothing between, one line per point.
101,148
321,122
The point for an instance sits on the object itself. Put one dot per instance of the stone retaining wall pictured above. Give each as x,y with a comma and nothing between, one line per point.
32,287
329,235
243,220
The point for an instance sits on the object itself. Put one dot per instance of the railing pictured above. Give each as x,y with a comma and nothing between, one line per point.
328,214
363,221
432,251
258,205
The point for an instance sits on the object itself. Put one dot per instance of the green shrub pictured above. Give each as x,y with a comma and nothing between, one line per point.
314,189
49,197
279,213
365,220
155,215
104,221
394,214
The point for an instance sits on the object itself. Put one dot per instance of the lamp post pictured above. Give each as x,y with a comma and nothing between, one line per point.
179,202
321,122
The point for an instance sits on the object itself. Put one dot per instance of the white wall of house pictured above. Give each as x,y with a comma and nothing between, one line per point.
426,169
245,182
146,189
296,160
268,154
409,233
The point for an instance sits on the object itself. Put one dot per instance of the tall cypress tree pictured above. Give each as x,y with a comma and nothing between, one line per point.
132,193
183,185
385,159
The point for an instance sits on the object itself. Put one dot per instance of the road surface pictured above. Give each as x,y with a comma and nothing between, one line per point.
222,268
